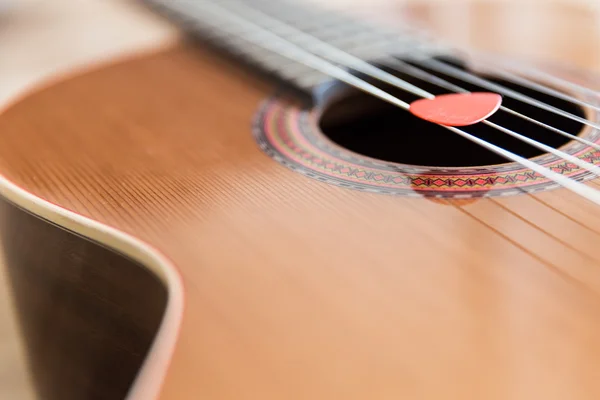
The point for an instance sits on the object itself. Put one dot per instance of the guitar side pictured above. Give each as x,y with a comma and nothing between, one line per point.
89,316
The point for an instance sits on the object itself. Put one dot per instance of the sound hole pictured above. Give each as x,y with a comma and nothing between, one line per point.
377,129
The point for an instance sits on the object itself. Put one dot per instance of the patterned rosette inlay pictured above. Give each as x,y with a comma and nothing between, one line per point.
291,136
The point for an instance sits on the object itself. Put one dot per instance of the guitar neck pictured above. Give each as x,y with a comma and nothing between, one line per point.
286,19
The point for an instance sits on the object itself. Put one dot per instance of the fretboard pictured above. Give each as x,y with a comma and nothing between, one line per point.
364,40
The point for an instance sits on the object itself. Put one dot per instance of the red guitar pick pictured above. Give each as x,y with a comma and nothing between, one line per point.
459,109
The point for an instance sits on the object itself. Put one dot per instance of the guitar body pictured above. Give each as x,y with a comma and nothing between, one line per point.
153,239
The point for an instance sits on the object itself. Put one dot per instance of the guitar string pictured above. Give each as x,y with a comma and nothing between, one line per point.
524,82
328,51
401,66
528,83
335,54
256,34
297,10
362,66
446,69
486,59
319,46
521,80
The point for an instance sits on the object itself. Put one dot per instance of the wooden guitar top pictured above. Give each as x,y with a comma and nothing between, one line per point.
282,287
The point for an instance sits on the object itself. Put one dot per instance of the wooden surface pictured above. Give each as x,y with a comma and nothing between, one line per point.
524,298
295,289
40,40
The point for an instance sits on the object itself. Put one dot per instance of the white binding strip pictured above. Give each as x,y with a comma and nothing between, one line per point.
148,383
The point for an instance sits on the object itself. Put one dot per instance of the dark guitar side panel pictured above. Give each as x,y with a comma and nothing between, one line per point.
88,315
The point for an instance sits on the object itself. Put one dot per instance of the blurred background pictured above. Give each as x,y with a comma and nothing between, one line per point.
46,39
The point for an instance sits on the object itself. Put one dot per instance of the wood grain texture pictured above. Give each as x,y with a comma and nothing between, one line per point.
296,289
39,40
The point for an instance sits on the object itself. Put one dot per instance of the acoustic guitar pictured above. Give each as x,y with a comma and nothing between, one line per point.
262,212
